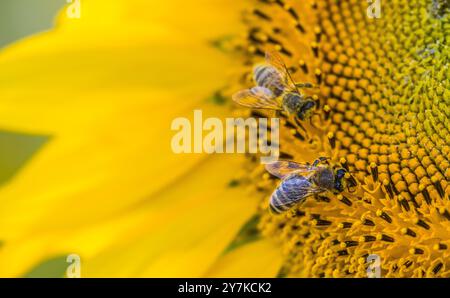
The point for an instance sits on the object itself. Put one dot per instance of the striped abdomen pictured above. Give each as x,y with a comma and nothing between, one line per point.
268,77
291,191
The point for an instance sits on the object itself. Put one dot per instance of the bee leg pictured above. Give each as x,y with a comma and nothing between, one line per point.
299,125
305,85
320,198
312,123
277,114
319,120
320,160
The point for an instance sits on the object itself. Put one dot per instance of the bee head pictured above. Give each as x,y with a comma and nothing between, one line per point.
306,110
339,179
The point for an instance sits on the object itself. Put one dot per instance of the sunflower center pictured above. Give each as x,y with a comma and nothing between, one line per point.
383,109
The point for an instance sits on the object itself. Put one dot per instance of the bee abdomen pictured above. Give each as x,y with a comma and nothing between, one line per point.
268,77
279,202
290,192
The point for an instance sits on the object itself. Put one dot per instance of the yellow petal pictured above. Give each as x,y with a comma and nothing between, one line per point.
107,186
118,165
179,232
117,96
261,258
110,57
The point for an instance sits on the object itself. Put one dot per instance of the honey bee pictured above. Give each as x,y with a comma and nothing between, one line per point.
276,90
300,181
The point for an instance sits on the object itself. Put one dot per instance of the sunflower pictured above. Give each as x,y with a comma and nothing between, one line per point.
90,100
90,105
384,108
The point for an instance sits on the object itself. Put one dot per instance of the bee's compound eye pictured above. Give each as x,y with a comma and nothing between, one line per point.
309,105
306,110
340,173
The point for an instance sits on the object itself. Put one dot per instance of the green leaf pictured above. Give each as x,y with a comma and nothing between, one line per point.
217,98
51,268
283,272
15,150
223,43
20,18
248,233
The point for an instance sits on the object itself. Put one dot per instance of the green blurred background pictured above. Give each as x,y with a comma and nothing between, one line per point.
19,18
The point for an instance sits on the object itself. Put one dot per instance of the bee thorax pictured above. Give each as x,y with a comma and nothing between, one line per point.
324,178
293,102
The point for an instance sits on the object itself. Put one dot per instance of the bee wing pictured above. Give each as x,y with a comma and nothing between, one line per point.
311,190
273,58
305,190
257,97
283,168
